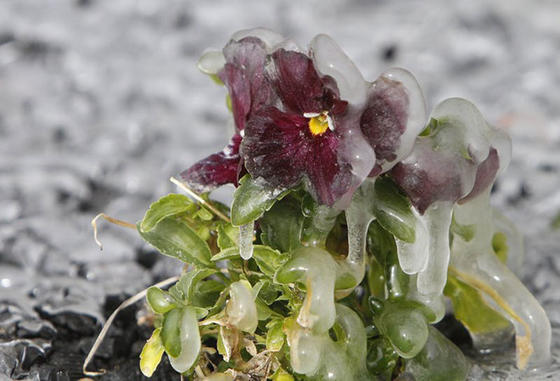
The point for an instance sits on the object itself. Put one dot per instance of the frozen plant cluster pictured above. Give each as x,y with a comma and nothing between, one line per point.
355,216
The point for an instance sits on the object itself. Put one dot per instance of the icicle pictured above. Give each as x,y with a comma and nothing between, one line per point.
475,263
358,218
190,342
516,249
414,256
246,240
431,280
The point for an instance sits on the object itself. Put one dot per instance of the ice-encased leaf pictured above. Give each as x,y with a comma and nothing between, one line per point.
250,200
316,269
175,238
241,308
189,337
404,325
393,210
488,328
439,360
171,331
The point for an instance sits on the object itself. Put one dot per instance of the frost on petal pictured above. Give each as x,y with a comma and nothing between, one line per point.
215,170
272,145
385,117
244,77
330,60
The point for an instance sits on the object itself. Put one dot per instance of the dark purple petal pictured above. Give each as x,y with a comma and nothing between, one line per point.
272,142
300,87
244,77
385,117
427,176
279,148
485,175
329,177
215,170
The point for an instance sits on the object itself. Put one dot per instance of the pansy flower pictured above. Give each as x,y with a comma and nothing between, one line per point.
240,66
298,138
329,124
456,161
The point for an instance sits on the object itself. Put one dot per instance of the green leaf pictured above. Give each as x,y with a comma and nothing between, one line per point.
173,237
159,300
500,246
267,291
250,201
268,259
281,226
171,332
167,206
227,236
439,360
275,335
393,210
471,309
151,354
207,293
188,282
229,253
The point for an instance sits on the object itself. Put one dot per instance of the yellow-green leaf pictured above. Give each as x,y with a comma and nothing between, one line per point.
151,354
472,310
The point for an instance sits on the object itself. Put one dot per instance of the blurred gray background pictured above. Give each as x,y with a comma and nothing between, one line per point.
101,102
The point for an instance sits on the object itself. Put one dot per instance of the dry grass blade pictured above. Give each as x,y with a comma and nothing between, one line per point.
111,220
130,301
208,205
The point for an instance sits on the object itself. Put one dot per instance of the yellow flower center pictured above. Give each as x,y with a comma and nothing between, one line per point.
319,124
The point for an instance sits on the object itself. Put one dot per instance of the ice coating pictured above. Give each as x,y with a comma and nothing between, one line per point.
414,256
319,357
241,309
475,263
431,279
246,234
211,62
317,270
416,113
356,150
190,342
305,351
329,59
516,249
272,40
